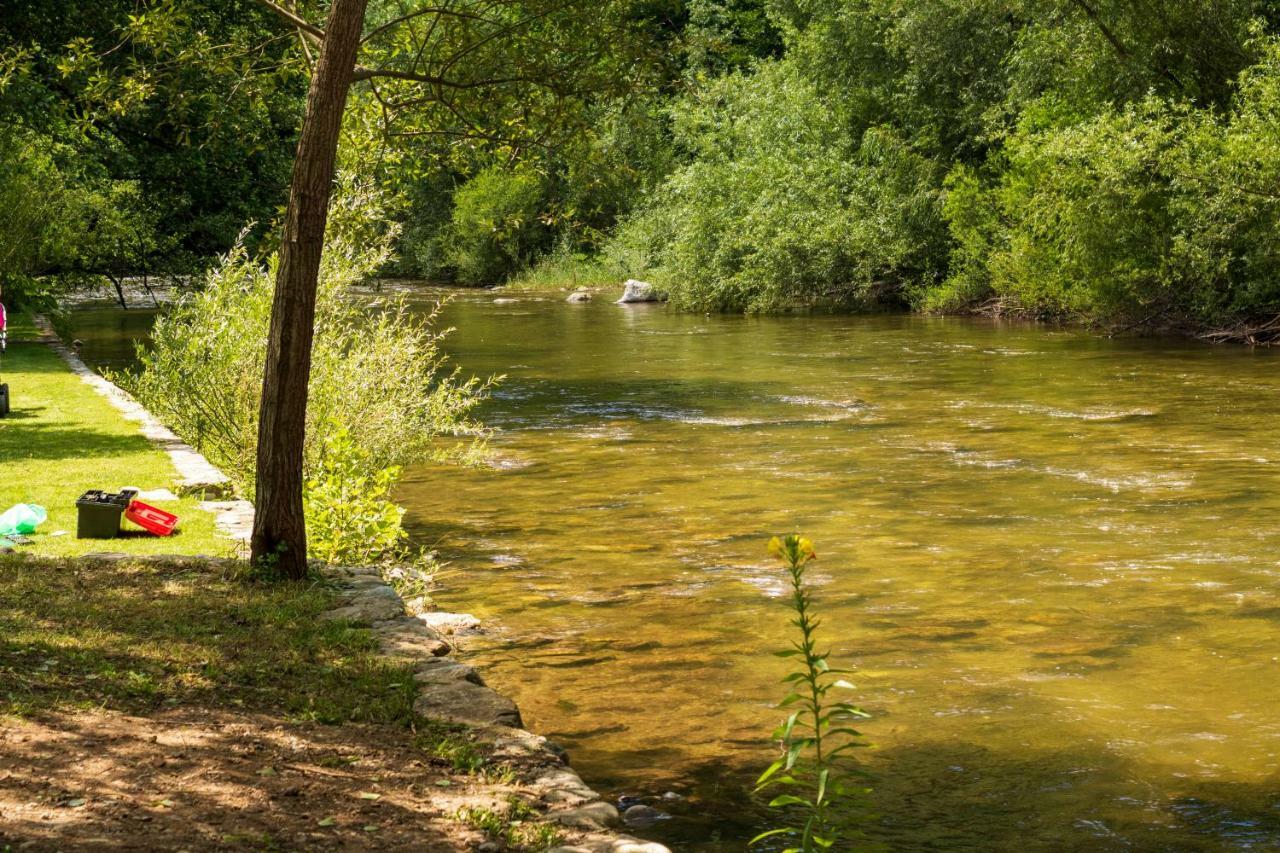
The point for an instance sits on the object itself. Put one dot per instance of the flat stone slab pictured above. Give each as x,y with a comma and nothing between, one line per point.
463,702
451,624
409,638
369,605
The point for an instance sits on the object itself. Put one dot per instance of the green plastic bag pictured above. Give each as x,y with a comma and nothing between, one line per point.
22,518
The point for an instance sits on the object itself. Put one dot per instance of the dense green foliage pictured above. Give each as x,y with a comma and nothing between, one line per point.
1111,161
144,136
1108,160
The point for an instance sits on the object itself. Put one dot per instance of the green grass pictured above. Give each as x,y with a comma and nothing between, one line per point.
61,439
517,826
136,638
564,271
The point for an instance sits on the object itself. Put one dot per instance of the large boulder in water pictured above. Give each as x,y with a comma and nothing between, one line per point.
638,291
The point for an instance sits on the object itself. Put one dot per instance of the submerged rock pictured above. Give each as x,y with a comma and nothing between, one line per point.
638,291
641,816
579,296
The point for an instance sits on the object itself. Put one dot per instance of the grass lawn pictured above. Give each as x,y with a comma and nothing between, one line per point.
62,439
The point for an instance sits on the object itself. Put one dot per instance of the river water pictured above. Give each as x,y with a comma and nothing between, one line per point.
1052,559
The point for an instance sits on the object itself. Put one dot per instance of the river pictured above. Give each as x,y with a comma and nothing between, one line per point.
1052,559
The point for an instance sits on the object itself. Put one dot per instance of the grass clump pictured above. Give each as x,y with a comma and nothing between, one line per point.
452,743
514,826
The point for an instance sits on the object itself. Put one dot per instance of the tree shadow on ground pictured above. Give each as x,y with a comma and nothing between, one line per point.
31,438
219,780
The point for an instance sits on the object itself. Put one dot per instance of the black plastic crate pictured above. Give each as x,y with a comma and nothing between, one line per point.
99,514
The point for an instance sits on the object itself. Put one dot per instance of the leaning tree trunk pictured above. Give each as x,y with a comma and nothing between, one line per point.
279,532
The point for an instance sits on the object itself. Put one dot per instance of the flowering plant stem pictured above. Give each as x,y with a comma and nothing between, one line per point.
816,739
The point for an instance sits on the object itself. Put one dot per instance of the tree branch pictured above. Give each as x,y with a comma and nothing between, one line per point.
298,21
429,10
413,77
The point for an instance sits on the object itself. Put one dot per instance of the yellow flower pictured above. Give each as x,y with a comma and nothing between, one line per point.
794,548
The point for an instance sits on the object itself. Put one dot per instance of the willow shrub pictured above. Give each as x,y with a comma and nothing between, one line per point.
779,206
1155,212
381,396
494,228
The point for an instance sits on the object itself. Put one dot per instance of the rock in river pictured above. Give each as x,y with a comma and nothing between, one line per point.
641,816
638,291
579,296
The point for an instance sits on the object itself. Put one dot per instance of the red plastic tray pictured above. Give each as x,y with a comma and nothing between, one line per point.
150,519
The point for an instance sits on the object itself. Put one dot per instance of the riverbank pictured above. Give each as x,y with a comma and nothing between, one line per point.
200,707
161,702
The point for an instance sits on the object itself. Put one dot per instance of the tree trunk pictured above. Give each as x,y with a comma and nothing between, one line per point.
279,532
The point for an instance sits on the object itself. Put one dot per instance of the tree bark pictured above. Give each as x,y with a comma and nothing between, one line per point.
279,531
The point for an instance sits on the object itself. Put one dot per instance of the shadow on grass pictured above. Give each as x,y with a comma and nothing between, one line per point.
31,438
137,638
22,413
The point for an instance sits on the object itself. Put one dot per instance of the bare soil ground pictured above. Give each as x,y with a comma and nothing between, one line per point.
177,780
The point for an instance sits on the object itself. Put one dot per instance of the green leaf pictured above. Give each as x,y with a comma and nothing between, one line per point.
788,800
770,834
772,769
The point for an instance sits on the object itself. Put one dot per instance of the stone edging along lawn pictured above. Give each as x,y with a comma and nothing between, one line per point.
447,690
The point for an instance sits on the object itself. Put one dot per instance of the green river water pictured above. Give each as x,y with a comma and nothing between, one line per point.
1052,558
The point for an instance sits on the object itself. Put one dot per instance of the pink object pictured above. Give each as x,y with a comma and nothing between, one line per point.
150,519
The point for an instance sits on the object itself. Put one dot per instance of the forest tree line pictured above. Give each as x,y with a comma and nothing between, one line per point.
1115,161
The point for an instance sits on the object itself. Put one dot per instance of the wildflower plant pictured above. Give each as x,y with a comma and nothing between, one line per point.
816,769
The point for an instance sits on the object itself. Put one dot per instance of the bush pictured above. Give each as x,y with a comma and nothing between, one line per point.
1154,213
779,207
348,504
380,397
1085,211
494,228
